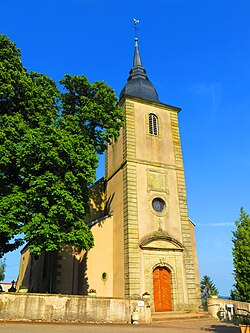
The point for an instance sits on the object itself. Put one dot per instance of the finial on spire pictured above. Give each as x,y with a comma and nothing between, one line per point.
135,27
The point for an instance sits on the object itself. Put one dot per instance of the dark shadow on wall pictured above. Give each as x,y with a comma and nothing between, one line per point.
108,204
97,204
83,285
57,272
100,204
39,273
71,273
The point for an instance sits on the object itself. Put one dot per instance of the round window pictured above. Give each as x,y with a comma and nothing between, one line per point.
158,205
104,276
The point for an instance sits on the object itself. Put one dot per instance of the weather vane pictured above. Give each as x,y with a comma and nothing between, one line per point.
135,27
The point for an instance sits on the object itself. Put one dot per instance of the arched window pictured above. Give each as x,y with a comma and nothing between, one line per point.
153,124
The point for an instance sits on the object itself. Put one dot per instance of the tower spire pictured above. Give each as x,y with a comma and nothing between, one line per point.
137,58
138,84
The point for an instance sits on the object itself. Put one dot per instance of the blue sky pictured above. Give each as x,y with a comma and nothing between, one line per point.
197,54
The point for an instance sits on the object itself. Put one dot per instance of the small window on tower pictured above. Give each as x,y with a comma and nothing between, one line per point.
153,124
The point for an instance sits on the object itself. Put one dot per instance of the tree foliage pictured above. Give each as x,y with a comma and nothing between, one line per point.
2,270
241,257
208,288
49,141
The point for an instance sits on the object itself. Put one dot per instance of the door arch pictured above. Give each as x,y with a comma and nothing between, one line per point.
162,289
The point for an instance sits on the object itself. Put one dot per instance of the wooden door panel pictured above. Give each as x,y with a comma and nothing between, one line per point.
157,290
166,290
162,289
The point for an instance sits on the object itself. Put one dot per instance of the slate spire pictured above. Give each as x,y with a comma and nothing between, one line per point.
137,58
138,84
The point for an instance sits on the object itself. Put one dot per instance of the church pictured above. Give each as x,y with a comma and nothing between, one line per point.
144,238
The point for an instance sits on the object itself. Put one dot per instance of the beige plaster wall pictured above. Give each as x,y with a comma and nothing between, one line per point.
115,202
149,220
115,155
100,258
150,148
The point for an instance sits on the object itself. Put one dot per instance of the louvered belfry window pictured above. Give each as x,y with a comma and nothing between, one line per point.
153,124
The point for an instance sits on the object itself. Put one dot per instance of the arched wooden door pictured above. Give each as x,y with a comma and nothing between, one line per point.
162,289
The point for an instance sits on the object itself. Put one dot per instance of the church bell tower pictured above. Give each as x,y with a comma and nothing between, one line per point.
153,238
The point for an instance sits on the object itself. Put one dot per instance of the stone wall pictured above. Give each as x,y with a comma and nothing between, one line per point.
70,308
216,306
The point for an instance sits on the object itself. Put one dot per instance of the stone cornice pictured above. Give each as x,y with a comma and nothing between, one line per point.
147,102
158,165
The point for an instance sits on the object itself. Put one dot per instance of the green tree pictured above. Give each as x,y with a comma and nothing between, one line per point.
208,288
49,143
2,270
241,258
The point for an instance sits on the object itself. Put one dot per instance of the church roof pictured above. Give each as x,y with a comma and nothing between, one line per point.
138,84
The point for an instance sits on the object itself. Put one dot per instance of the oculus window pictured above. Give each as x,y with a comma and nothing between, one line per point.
158,205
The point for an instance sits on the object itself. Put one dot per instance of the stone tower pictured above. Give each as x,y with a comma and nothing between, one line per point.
153,238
